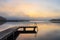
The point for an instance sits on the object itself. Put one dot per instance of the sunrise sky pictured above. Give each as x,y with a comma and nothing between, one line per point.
30,8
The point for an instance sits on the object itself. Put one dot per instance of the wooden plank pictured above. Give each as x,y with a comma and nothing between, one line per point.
4,34
27,26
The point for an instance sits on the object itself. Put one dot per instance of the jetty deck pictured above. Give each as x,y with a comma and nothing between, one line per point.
28,31
6,33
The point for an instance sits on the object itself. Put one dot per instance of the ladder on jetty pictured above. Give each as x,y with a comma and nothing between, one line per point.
6,34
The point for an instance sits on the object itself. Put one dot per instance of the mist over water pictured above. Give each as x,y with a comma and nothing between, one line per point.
46,30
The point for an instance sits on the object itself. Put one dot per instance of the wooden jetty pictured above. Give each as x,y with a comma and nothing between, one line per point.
28,31
6,33
11,31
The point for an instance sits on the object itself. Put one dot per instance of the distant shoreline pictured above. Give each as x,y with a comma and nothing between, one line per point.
17,20
14,20
55,20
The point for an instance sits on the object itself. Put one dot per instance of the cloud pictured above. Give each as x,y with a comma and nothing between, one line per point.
10,15
34,8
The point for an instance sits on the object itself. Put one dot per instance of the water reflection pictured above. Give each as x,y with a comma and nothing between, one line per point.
52,35
46,31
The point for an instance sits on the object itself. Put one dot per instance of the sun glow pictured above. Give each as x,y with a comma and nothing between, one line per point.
29,8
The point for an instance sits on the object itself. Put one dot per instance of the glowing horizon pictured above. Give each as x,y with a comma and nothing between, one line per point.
30,8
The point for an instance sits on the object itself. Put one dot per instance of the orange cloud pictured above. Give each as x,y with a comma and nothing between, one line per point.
32,10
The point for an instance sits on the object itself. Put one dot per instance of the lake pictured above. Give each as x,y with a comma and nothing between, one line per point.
46,30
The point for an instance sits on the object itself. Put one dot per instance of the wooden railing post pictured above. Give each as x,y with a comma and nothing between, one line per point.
24,29
34,29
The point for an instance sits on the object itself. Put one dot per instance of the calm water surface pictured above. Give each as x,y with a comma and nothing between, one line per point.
46,30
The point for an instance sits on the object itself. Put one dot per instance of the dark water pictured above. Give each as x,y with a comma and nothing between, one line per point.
46,30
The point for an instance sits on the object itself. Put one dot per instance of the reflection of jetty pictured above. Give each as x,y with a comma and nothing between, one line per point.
11,32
